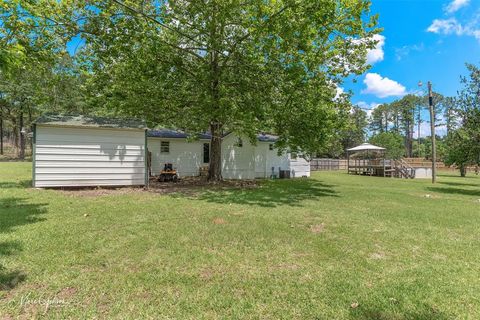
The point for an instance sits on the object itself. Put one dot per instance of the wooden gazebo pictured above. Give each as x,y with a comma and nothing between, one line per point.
367,159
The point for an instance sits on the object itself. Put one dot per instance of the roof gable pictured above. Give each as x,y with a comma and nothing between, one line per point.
175,134
69,120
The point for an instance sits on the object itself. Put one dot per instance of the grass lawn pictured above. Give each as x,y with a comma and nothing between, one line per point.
290,249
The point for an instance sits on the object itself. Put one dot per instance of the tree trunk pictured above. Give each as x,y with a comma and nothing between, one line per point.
463,171
21,154
216,128
30,123
419,122
407,139
215,167
1,134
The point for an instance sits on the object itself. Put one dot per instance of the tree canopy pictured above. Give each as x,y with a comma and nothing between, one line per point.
223,66
391,141
463,140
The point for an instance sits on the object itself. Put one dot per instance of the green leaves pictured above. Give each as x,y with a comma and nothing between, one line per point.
250,66
391,141
463,140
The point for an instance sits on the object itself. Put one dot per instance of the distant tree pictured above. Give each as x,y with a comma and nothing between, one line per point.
393,142
35,69
450,114
396,117
407,106
441,145
356,129
351,134
463,143
460,151
380,118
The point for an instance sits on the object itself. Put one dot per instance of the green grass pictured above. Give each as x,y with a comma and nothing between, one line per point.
291,249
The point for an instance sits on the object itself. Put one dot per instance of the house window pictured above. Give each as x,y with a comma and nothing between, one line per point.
206,153
239,143
270,146
165,147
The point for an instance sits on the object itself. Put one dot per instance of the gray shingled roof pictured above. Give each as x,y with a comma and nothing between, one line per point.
175,134
89,121
265,137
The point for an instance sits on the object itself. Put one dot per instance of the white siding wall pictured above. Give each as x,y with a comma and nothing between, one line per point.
66,156
249,161
186,157
276,161
237,162
299,167
246,162
423,173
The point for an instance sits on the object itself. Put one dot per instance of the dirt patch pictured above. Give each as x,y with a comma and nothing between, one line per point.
193,185
98,192
219,221
208,274
284,267
317,228
377,256
188,186
67,293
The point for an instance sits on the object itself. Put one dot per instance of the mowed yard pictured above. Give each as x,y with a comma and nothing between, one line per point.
330,247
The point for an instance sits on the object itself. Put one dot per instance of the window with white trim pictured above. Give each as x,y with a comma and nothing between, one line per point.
165,147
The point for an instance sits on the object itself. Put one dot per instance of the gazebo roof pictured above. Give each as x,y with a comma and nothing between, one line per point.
366,147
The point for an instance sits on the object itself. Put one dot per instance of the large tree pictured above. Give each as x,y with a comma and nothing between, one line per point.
36,72
408,106
463,143
380,118
392,142
222,66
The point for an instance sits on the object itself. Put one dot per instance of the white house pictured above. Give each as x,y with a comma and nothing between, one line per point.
240,158
70,151
87,151
170,146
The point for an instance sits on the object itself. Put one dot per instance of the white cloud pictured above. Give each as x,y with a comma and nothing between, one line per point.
367,107
455,5
452,26
447,26
376,54
339,92
383,87
440,130
405,50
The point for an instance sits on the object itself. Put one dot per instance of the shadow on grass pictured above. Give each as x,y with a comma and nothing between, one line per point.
10,279
16,184
15,212
426,312
459,184
272,193
465,192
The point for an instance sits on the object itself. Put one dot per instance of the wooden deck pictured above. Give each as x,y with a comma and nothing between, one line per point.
371,170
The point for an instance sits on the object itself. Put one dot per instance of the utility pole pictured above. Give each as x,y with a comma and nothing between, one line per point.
432,129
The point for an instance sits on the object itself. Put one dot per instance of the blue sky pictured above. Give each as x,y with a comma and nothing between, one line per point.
422,40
